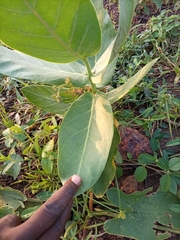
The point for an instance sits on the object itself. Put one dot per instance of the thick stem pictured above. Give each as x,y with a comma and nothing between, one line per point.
94,89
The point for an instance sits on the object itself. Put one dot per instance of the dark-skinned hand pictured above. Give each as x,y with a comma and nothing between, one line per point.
48,222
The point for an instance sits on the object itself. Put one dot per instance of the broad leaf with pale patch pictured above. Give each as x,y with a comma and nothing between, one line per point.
109,171
85,139
16,64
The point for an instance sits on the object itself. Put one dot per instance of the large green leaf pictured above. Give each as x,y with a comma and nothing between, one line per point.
142,214
108,173
44,97
57,31
121,91
127,8
20,65
85,139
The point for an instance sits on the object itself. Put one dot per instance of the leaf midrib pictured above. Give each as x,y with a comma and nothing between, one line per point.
51,31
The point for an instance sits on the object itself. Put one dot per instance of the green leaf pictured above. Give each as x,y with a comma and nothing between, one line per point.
158,117
85,139
174,164
12,197
147,112
176,101
175,208
141,213
121,91
28,212
140,173
104,67
163,163
165,182
108,173
102,71
5,210
146,158
127,8
47,165
20,65
173,188
173,142
154,143
13,166
45,97
69,31
44,195
158,3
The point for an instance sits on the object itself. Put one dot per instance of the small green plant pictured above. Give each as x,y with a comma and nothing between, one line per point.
160,38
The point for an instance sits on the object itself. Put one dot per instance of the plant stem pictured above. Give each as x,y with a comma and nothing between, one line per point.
118,192
167,229
169,122
94,89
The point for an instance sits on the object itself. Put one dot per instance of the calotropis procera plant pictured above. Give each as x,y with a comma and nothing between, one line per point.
69,49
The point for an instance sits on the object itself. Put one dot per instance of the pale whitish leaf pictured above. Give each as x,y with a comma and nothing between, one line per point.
142,212
70,31
20,65
18,119
102,63
125,18
48,148
102,72
121,91
85,139
44,97
12,197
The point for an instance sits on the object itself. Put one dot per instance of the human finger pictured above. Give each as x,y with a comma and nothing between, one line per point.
9,221
58,226
47,214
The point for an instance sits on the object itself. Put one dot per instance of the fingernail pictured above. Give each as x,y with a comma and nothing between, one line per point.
76,179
